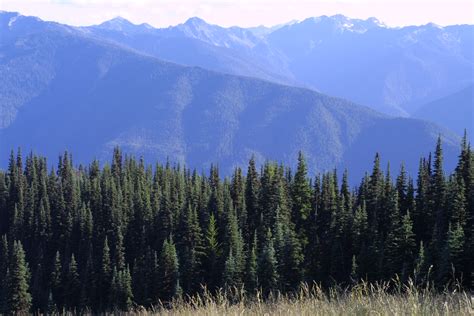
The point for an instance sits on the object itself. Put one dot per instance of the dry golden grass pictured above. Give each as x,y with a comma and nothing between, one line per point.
363,299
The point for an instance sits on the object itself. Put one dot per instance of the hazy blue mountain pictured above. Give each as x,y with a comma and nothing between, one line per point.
63,90
393,70
455,111
196,43
120,24
261,31
24,76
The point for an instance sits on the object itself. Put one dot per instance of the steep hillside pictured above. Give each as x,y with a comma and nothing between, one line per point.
455,111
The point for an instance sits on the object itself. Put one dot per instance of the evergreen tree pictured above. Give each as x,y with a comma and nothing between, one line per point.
456,201
401,248
56,280
105,277
252,268
4,213
423,218
121,290
190,250
39,289
452,259
230,276
437,202
312,251
421,269
169,271
288,253
211,265
325,224
252,189
301,194
237,189
18,296
267,266
354,270
72,287
361,242
469,227
4,258
235,248
408,246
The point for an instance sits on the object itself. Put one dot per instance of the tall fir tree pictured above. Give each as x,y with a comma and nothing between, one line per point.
252,189
251,279
72,288
169,275
4,267
301,196
451,268
121,295
438,206
18,278
267,266
56,282
211,264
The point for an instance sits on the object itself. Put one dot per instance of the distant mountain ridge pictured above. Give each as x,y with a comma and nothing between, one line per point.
402,68
64,89
455,111
196,43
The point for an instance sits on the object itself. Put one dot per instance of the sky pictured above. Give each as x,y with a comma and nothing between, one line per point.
245,13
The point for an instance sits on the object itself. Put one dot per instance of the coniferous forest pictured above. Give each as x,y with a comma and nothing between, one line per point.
109,237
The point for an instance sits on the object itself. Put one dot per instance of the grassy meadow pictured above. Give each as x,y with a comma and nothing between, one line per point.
363,299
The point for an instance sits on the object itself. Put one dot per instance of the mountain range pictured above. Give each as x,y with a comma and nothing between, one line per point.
409,66
455,111
201,94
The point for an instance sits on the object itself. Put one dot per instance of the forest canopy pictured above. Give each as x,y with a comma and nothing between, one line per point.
108,237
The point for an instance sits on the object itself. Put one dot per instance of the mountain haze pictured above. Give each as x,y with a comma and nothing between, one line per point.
196,43
455,111
402,68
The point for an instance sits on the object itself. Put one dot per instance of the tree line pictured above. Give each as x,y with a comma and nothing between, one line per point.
125,234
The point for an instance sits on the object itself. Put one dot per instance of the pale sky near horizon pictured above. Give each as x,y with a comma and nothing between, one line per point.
162,13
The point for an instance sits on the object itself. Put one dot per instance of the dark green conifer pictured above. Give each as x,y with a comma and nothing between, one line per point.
267,266
251,283
301,196
451,267
72,288
4,264
121,290
169,271
252,189
211,266
105,277
190,250
56,281
18,277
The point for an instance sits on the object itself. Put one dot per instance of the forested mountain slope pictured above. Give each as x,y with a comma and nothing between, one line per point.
454,111
62,90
